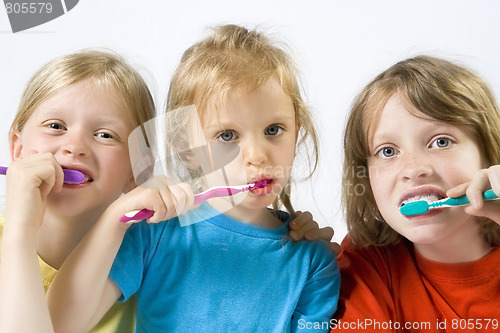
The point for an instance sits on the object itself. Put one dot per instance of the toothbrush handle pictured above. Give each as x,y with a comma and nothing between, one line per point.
139,215
463,200
136,215
70,176
216,192
489,195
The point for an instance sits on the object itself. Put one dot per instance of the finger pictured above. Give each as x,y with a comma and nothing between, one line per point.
494,177
457,190
477,186
305,229
489,210
58,173
335,247
297,225
47,170
325,234
47,178
301,219
169,203
183,197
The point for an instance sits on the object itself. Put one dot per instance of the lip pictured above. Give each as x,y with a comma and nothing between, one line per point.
263,190
86,172
421,191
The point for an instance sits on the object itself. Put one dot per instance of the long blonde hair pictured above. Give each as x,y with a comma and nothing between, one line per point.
105,67
441,90
233,56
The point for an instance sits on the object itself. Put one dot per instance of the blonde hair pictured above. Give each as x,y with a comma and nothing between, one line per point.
441,90
232,57
106,68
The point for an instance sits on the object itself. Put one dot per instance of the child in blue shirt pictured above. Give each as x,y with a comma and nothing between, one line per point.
234,271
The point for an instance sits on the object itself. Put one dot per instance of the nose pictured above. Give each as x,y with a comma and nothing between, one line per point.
416,166
75,144
254,152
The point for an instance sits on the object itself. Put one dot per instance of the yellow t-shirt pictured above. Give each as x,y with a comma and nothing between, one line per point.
119,319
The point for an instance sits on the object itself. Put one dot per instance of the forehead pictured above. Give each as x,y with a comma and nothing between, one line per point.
86,96
267,100
389,111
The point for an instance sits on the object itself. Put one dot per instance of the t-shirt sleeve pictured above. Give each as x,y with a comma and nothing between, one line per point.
318,301
131,260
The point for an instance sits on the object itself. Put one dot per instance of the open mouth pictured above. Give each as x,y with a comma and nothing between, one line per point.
431,197
88,179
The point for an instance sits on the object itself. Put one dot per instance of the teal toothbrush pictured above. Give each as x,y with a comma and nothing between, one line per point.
422,206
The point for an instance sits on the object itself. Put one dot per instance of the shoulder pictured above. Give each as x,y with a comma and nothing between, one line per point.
375,262
317,256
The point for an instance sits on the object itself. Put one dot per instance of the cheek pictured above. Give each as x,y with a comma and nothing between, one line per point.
116,163
462,169
39,144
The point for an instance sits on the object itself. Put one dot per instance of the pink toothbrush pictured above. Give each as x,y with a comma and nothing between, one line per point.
70,176
214,192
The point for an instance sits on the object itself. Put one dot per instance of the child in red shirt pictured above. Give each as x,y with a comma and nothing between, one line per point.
424,129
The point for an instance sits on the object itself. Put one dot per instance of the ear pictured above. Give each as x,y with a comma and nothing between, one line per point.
15,145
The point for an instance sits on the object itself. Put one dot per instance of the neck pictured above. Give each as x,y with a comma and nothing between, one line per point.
258,217
59,235
458,248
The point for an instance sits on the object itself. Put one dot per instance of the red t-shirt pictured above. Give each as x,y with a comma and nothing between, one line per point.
394,289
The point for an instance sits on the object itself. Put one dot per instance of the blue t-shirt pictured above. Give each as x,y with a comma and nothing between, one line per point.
222,275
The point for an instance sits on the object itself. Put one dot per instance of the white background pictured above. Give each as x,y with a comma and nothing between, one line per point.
339,45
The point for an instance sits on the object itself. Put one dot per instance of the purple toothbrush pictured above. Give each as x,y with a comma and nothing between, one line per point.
214,192
70,176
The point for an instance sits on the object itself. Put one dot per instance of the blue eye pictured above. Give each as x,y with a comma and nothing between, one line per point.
387,152
227,136
274,130
441,143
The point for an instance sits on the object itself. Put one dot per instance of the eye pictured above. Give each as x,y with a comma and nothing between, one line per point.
55,125
104,135
387,152
274,130
441,143
107,135
227,136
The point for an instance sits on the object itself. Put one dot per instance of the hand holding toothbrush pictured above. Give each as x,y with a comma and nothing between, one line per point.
483,180
30,179
158,200
214,192
478,202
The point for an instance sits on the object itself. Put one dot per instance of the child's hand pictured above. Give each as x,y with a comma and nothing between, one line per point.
304,227
29,181
482,181
161,195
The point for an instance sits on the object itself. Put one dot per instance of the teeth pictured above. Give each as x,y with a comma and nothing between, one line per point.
428,197
87,179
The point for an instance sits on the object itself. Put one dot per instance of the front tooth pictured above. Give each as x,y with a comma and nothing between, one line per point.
428,197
